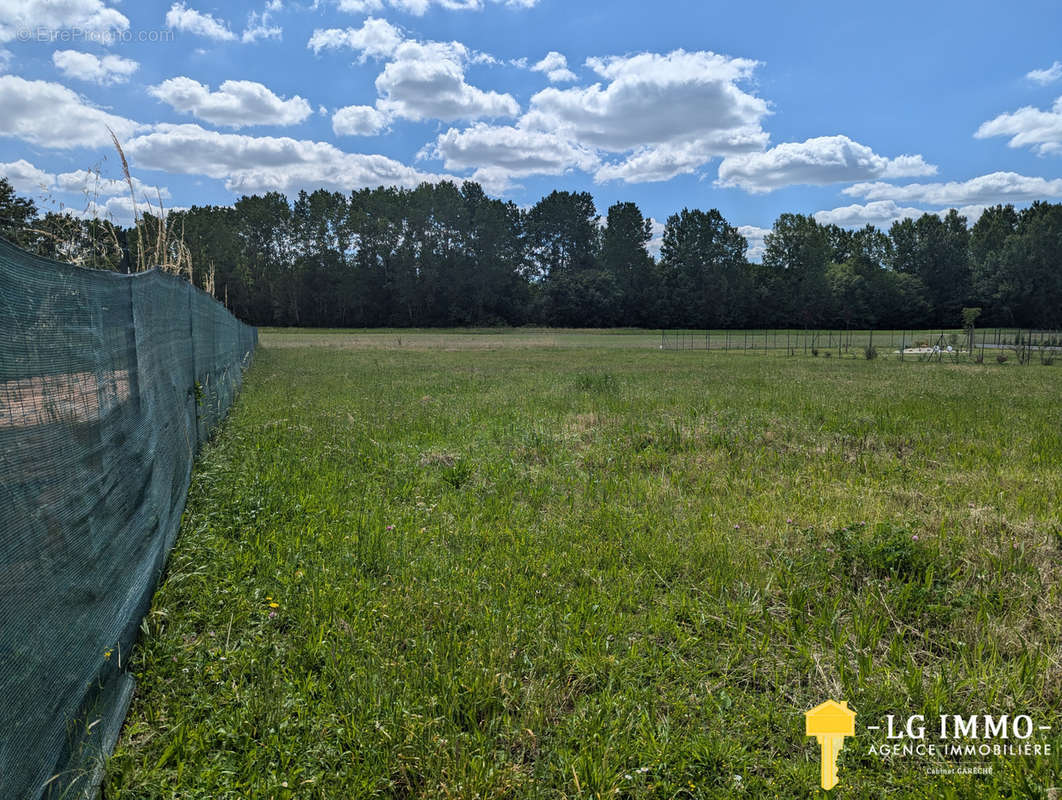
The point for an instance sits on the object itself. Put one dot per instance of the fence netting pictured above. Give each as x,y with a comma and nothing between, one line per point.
108,384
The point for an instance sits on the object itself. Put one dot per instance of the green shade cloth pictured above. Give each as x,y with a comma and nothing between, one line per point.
108,384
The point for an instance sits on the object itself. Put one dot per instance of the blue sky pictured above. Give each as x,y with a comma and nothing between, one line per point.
854,112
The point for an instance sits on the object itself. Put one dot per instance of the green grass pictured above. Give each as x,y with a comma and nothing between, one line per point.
561,572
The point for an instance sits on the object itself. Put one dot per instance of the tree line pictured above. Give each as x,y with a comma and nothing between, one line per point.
444,255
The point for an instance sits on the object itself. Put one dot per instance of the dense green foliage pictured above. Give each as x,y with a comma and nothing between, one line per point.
413,567
442,255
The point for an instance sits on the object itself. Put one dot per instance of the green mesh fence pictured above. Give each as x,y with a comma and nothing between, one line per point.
108,383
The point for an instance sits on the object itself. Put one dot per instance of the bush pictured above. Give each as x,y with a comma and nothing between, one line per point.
871,352
1001,358
815,352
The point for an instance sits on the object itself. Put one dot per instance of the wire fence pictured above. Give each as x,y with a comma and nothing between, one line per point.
995,344
108,385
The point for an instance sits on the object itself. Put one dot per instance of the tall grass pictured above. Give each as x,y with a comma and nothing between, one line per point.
575,572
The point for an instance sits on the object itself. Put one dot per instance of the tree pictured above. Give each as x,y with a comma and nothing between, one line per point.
937,252
625,257
702,266
16,216
988,240
562,233
797,250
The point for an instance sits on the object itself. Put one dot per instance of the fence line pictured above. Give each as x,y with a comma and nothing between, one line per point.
938,344
108,385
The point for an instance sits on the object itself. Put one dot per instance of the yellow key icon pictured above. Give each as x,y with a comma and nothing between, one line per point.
830,722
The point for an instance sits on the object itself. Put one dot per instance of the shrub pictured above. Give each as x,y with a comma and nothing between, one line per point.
815,352
871,352
1001,358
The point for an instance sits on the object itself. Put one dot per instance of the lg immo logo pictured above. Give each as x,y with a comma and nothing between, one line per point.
830,723
950,742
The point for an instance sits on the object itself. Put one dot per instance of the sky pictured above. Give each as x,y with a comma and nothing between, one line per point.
854,112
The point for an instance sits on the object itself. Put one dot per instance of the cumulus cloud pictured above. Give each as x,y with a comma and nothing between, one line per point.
51,115
236,104
655,116
93,184
883,213
118,210
420,7
426,80
257,164
106,70
376,38
657,163
1028,127
25,177
359,121
555,66
880,213
58,15
500,153
182,18
657,240
818,161
754,236
996,187
674,111
260,26
1046,76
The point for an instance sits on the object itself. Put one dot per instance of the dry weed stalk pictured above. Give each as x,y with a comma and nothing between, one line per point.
168,252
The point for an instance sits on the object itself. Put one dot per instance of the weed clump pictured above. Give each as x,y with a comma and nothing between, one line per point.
596,383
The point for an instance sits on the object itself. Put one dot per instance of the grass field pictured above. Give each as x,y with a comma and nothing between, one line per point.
576,569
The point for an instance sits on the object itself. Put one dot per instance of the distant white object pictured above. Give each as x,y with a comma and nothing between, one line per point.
949,348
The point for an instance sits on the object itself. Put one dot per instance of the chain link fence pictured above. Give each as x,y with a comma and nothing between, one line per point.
995,344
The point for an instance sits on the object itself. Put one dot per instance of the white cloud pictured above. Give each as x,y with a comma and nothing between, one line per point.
426,80
657,240
256,164
259,26
420,7
674,111
50,115
106,70
883,213
1046,76
880,213
818,161
657,163
26,178
1028,127
359,121
754,236
92,184
360,6
996,187
555,65
500,153
376,38
119,210
5,59
235,104
182,18
58,15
